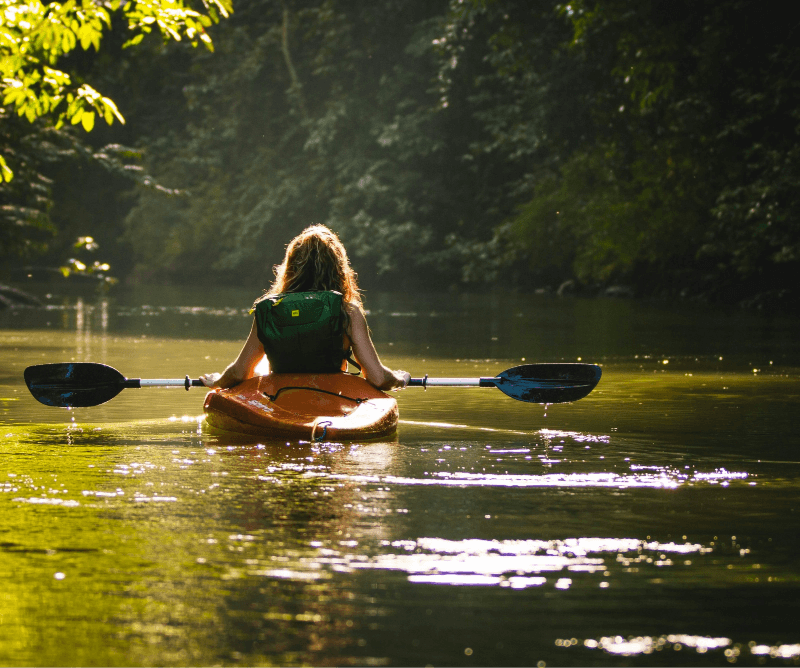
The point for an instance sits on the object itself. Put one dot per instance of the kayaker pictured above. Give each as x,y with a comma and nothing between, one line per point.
315,273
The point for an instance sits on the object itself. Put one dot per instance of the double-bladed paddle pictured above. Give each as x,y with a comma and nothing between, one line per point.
81,384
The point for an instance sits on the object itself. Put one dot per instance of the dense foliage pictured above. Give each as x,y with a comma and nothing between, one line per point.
521,142
36,39
687,176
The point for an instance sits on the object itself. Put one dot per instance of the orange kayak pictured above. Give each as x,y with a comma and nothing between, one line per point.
325,406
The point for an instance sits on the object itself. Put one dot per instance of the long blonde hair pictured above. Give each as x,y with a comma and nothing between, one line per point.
316,260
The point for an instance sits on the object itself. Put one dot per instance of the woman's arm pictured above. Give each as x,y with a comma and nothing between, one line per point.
364,351
242,368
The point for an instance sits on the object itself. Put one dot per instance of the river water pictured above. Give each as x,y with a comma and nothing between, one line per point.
655,522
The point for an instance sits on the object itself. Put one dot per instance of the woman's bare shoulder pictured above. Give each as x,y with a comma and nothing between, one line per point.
353,307
355,312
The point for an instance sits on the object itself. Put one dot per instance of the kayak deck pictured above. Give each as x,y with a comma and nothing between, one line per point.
325,406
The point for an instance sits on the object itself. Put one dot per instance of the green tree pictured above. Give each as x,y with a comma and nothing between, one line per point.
36,39
35,35
309,112
683,179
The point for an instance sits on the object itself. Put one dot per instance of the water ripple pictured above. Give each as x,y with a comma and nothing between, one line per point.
661,478
642,645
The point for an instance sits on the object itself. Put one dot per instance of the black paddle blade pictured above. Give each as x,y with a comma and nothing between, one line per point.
549,383
74,384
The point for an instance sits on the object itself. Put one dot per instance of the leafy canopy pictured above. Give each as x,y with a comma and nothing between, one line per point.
35,35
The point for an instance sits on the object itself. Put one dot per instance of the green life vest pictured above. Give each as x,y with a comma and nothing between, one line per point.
302,332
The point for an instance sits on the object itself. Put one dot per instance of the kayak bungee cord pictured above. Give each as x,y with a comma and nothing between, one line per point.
324,425
273,397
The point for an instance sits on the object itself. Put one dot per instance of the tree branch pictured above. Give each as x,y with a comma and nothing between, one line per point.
296,89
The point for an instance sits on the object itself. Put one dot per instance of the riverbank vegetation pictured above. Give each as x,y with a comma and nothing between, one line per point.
510,142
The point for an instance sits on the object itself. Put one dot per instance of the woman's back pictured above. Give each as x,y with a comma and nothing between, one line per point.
303,332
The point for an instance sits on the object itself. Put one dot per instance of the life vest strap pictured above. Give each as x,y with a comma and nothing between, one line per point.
350,360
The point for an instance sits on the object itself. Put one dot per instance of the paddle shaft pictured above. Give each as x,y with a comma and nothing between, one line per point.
163,382
453,382
486,382
413,382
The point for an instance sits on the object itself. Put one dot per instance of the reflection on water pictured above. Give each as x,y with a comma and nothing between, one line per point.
511,563
619,646
664,478
654,522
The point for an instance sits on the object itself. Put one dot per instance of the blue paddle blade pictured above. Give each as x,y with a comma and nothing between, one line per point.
74,384
549,383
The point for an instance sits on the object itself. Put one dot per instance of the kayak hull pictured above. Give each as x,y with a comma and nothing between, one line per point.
325,406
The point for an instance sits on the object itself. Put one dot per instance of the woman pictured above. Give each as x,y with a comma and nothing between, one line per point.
316,286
